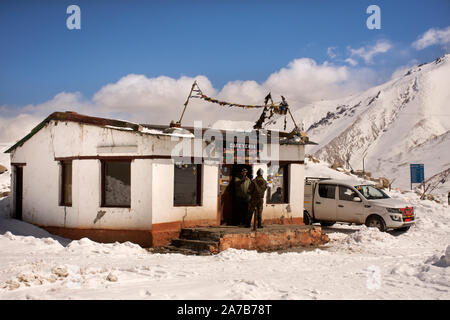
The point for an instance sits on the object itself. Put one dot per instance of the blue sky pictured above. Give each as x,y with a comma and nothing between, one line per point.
224,40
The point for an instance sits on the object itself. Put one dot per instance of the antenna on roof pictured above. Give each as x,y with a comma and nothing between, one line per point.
178,123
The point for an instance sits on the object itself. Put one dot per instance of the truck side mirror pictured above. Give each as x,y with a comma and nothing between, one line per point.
357,199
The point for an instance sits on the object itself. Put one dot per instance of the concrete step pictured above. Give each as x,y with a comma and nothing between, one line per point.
212,240
173,249
197,245
202,235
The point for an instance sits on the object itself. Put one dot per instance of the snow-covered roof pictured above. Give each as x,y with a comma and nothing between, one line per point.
187,132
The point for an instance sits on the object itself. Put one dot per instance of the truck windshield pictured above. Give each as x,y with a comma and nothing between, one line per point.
371,193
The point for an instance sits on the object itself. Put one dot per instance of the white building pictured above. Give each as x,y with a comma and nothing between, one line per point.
108,180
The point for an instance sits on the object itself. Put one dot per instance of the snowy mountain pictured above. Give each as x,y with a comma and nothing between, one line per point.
5,162
403,121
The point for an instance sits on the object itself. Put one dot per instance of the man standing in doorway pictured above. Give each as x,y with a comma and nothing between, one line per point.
256,191
242,198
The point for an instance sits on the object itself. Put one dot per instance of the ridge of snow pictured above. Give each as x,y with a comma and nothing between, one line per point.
405,120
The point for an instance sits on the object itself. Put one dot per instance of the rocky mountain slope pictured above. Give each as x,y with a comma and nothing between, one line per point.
403,121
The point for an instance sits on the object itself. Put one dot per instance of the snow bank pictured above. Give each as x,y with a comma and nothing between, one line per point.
433,271
30,240
369,236
238,255
65,276
430,215
26,233
444,261
86,246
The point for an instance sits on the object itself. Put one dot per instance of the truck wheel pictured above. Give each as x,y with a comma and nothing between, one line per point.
376,222
327,224
307,219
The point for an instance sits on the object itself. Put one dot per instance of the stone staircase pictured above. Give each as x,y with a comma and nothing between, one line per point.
193,241
212,240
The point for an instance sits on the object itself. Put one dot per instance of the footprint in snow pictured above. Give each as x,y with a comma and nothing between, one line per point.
145,293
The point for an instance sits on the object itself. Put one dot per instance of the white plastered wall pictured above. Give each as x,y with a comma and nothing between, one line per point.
163,189
151,180
40,179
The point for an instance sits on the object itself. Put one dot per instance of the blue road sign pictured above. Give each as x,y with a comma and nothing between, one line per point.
417,173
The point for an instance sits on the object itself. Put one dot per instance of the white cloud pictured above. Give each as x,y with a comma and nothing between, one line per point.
63,101
367,53
433,37
16,123
14,128
331,52
351,61
154,100
305,80
159,100
136,92
250,91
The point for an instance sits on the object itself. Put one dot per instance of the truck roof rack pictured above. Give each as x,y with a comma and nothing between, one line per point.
315,178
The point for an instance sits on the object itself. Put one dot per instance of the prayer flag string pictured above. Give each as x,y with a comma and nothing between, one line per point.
279,108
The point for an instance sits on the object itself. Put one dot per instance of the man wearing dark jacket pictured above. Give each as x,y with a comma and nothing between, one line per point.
256,190
241,198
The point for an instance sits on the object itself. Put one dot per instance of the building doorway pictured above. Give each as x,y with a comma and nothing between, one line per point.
18,192
227,192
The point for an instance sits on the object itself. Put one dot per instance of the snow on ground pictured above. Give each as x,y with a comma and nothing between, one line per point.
323,170
358,263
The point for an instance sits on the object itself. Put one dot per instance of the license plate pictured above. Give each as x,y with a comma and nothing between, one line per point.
407,212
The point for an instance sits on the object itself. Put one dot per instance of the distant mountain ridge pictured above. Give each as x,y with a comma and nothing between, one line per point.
405,120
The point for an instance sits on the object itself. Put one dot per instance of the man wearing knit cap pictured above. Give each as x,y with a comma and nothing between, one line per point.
256,191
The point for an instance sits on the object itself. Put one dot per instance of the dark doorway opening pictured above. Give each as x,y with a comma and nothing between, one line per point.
18,192
227,193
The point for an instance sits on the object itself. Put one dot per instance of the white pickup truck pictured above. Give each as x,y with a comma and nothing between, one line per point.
329,201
